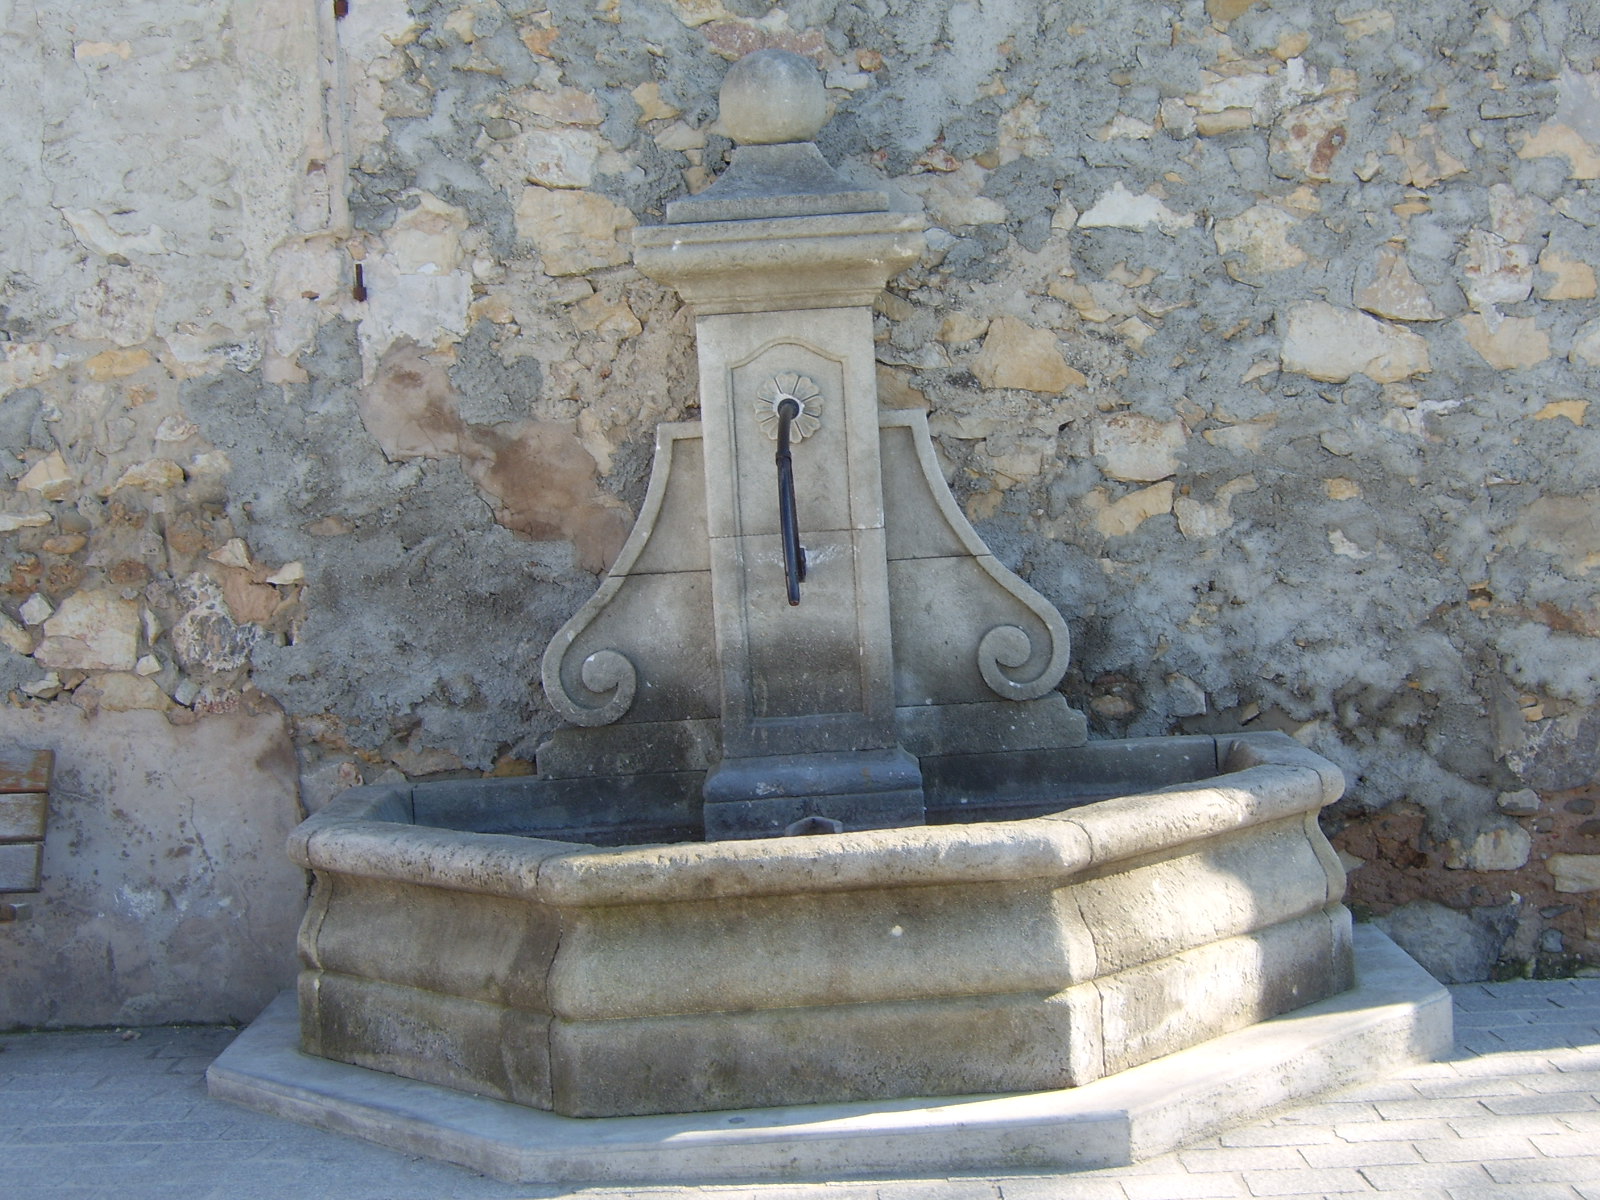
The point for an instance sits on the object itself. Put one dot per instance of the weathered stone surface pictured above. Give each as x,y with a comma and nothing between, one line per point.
410,406
50,477
1306,141
574,232
954,198
1573,279
1496,271
1119,208
1016,355
155,475
1138,448
1586,345
1512,343
1120,517
1505,848
1575,872
1260,236
1556,140
91,631
426,239
1394,293
541,482
161,839
559,158
1200,520
219,342
1523,803
1425,158
1331,343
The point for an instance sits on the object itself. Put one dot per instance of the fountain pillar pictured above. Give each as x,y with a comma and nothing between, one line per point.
825,644
781,260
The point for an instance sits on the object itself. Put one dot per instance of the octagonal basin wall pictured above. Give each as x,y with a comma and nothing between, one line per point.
973,957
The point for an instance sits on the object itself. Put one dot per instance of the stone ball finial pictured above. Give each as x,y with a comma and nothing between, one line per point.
772,96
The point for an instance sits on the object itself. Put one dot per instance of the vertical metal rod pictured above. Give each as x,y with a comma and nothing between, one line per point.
794,554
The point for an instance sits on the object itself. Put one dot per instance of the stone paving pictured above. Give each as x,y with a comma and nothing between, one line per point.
1514,1113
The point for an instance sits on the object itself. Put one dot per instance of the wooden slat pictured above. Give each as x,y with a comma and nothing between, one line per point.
22,816
25,770
19,866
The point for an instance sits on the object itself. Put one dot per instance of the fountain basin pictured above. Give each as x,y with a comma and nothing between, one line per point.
1131,900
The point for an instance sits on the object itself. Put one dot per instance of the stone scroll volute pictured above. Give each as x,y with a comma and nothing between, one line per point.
966,629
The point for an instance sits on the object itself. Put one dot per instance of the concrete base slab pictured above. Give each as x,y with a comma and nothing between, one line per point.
1396,1015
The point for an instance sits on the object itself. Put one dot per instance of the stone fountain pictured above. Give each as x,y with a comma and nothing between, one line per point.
821,841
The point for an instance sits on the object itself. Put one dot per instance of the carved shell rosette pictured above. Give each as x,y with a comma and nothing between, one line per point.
789,386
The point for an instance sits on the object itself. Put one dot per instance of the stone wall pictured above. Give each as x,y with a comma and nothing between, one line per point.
1258,336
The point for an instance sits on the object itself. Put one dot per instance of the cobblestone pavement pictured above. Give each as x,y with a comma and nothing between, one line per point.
1514,1113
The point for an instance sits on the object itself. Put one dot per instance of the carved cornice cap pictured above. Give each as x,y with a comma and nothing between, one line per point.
834,261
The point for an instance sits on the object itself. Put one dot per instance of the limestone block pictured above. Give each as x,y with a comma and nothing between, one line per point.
1365,23
1449,945
1512,343
574,231
1425,159
1199,520
50,477
14,637
1574,278
1260,236
1394,292
940,609
559,158
120,306
120,691
1236,884
1554,139
954,199
93,630
1502,849
1521,803
1016,355
1333,344
1496,271
1120,517
36,610
153,475
116,364
23,364
1137,448
435,939
426,239
958,327
1306,141
1159,1007
652,105
823,949
563,105
1575,872
452,1041
1586,345
783,1057
1119,208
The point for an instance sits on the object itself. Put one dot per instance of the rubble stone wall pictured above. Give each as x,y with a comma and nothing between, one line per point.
1259,337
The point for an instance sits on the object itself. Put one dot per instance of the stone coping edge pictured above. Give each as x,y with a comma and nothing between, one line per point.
1272,777
1396,1015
